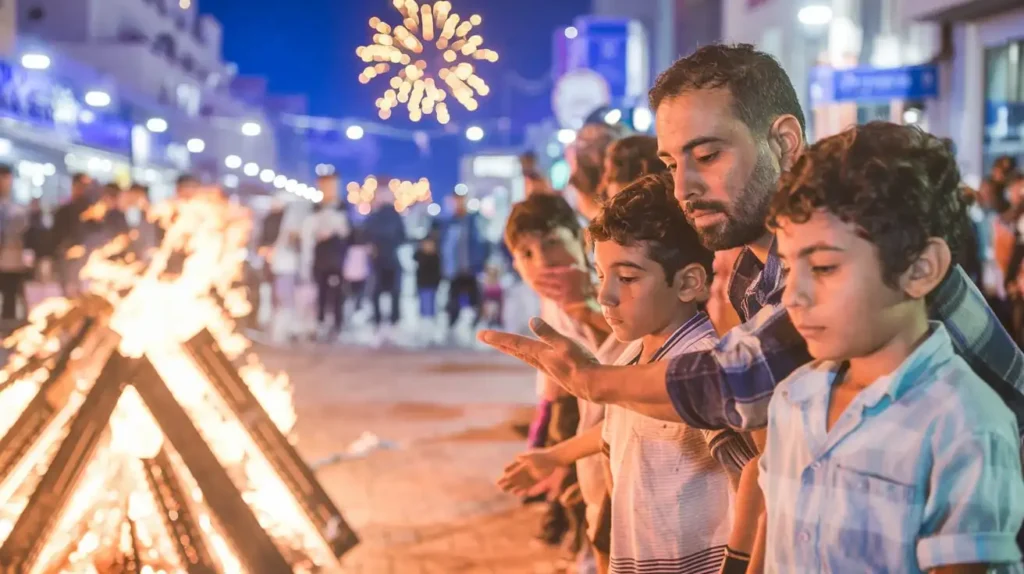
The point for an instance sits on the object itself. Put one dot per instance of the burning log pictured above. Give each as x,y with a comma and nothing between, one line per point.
131,442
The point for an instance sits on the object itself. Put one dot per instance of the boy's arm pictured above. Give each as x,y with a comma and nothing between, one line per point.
975,503
760,544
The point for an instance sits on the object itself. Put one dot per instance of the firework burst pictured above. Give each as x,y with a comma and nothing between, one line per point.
429,37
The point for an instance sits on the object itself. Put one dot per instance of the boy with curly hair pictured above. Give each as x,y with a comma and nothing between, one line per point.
671,484
887,453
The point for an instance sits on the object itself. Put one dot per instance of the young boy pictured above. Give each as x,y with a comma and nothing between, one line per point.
670,497
543,232
886,453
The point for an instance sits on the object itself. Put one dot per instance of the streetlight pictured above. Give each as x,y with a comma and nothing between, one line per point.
642,119
195,145
280,181
233,162
354,132
566,136
251,169
156,125
267,175
97,99
474,133
35,61
613,117
251,129
815,15
571,32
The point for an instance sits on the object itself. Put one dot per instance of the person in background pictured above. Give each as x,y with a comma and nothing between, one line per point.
39,236
590,150
493,298
14,222
463,256
186,186
69,234
323,251
626,161
135,206
1004,169
428,279
386,231
285,260
269,232
356,270
533,181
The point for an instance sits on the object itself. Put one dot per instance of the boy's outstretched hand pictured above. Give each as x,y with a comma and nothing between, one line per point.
552,353
527,475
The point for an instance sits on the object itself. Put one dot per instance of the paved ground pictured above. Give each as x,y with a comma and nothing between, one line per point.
429,504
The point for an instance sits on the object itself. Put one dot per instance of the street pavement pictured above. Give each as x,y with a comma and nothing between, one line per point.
425,502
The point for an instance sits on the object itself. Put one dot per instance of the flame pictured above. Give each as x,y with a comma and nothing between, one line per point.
192,281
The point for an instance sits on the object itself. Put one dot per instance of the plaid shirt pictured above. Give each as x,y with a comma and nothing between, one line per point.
851,499
732,384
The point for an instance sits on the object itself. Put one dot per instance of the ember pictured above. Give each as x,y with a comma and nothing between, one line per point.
141,434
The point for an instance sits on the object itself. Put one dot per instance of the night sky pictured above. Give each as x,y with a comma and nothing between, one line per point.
308,47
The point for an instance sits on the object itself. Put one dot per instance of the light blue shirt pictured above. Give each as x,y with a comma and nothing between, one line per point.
923,469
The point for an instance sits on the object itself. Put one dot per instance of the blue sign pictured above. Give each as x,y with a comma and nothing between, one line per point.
36,98
605,51
874,84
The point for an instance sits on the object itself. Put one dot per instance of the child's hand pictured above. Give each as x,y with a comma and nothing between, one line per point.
565,285
525,476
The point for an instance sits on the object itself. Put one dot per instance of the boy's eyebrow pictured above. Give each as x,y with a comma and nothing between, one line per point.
629,264
812,249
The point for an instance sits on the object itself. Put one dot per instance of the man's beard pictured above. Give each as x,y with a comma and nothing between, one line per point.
745,222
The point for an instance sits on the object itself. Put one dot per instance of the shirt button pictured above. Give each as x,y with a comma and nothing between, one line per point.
804,537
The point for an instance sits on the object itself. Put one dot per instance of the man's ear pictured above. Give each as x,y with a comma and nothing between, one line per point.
927,270
692,283
786,140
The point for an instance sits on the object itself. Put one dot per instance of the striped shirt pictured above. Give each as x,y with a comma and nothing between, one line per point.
731,385
921,470
670,498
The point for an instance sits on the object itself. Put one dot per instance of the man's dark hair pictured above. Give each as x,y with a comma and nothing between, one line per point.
6,169
79,178
760,89
898,184
540,213
646,212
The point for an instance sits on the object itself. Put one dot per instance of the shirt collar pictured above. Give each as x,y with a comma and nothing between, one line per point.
694,329
933,352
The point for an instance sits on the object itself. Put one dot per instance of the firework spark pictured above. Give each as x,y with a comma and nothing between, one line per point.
427,32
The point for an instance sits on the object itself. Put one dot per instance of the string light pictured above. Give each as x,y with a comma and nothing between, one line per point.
428,33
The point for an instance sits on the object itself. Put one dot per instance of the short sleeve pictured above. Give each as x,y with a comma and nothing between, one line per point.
975,504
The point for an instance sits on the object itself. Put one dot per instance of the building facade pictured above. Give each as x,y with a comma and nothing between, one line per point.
161,59
982,96
851,61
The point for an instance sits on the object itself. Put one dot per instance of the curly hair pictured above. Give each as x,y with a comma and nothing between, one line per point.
646,212
628,159
760,89
899,185
540,213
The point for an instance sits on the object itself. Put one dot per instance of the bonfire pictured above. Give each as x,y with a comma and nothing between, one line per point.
141,433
